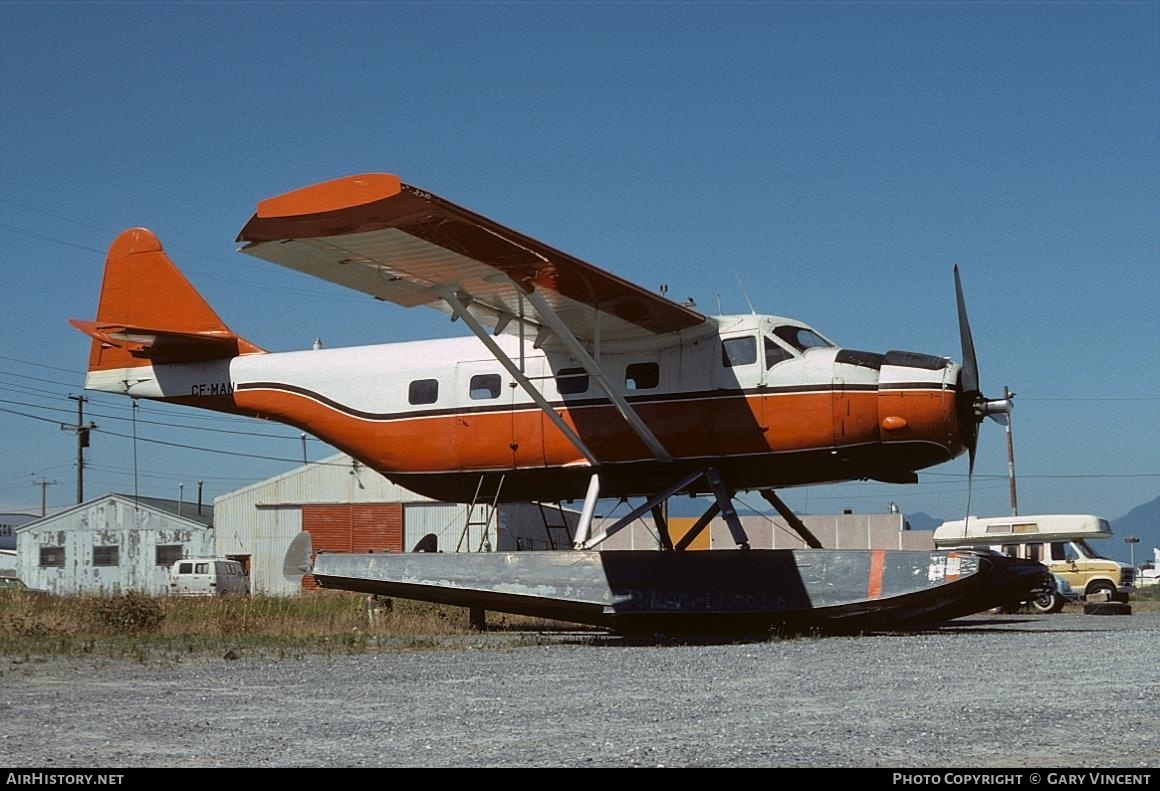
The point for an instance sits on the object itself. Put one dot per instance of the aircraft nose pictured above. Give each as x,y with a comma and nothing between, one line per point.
919,407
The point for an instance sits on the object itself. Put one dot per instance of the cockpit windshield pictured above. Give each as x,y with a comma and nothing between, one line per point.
800,338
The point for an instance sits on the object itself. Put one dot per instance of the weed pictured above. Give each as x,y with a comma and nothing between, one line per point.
144,628
132,612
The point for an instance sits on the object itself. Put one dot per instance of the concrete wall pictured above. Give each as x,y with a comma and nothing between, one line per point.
834,531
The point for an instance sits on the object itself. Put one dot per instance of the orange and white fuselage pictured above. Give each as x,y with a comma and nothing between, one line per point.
578,372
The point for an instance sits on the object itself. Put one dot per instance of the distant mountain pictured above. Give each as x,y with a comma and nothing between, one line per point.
1143,522
921,521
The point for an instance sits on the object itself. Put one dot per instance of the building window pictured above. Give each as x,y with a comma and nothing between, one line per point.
739,351
484,386
423,391
571,380
168,554
642,376
52,556
108,555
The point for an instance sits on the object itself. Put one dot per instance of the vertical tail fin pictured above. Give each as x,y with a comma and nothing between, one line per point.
150,313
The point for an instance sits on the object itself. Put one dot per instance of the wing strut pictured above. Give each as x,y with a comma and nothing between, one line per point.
723,505
460,310
794,521
596,372
636,512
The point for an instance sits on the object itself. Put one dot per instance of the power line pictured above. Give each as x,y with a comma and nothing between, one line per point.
167,424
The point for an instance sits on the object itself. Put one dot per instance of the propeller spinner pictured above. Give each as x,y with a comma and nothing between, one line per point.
973,405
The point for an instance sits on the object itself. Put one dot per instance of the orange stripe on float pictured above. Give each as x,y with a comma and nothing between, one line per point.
877,564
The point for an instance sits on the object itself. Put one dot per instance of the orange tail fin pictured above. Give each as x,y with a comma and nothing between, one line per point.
149,313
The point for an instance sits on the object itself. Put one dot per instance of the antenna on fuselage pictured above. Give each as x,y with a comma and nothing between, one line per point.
744,293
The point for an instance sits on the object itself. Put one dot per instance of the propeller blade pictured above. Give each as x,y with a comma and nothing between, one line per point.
970,364
973,406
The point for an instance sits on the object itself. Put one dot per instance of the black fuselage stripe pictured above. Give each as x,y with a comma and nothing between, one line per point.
668,398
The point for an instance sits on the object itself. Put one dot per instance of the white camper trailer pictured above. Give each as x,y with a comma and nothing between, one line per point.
1058,541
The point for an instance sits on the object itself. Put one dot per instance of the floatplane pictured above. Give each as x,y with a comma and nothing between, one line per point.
574,384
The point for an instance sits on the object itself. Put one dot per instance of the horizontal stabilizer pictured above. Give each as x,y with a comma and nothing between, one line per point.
165,346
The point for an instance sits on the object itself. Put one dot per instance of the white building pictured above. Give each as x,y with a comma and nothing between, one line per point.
8,524
113,544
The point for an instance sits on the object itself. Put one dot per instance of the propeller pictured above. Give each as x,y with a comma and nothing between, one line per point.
973,406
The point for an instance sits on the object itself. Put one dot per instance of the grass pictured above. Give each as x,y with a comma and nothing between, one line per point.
145,628
137,626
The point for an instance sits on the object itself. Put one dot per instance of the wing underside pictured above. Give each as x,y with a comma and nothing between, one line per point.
398,243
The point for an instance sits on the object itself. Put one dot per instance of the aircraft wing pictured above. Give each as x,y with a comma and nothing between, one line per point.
399,243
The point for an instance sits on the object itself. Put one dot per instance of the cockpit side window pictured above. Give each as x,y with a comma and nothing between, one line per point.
738,351
800,338
774,353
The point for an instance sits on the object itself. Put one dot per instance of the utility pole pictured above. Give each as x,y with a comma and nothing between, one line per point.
82,432
1010,456
43,484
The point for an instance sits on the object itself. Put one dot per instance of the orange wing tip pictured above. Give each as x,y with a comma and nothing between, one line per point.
343,193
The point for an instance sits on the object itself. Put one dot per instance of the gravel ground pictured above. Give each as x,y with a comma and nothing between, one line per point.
1060,691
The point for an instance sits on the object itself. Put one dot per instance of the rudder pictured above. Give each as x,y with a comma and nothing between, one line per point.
149,312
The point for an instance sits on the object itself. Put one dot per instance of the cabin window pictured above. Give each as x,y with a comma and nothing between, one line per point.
1011,550
642,376
1034,552
1058,552
800,338
108,555
738,351
423,391
571,380
167,554
774,354
484,386
52,556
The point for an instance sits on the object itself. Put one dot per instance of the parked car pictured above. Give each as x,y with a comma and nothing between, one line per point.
1054,601
15,585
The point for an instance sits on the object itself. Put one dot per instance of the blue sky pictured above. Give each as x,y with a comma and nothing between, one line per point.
834,160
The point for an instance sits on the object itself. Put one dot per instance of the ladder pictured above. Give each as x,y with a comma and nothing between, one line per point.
483,522
558,510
